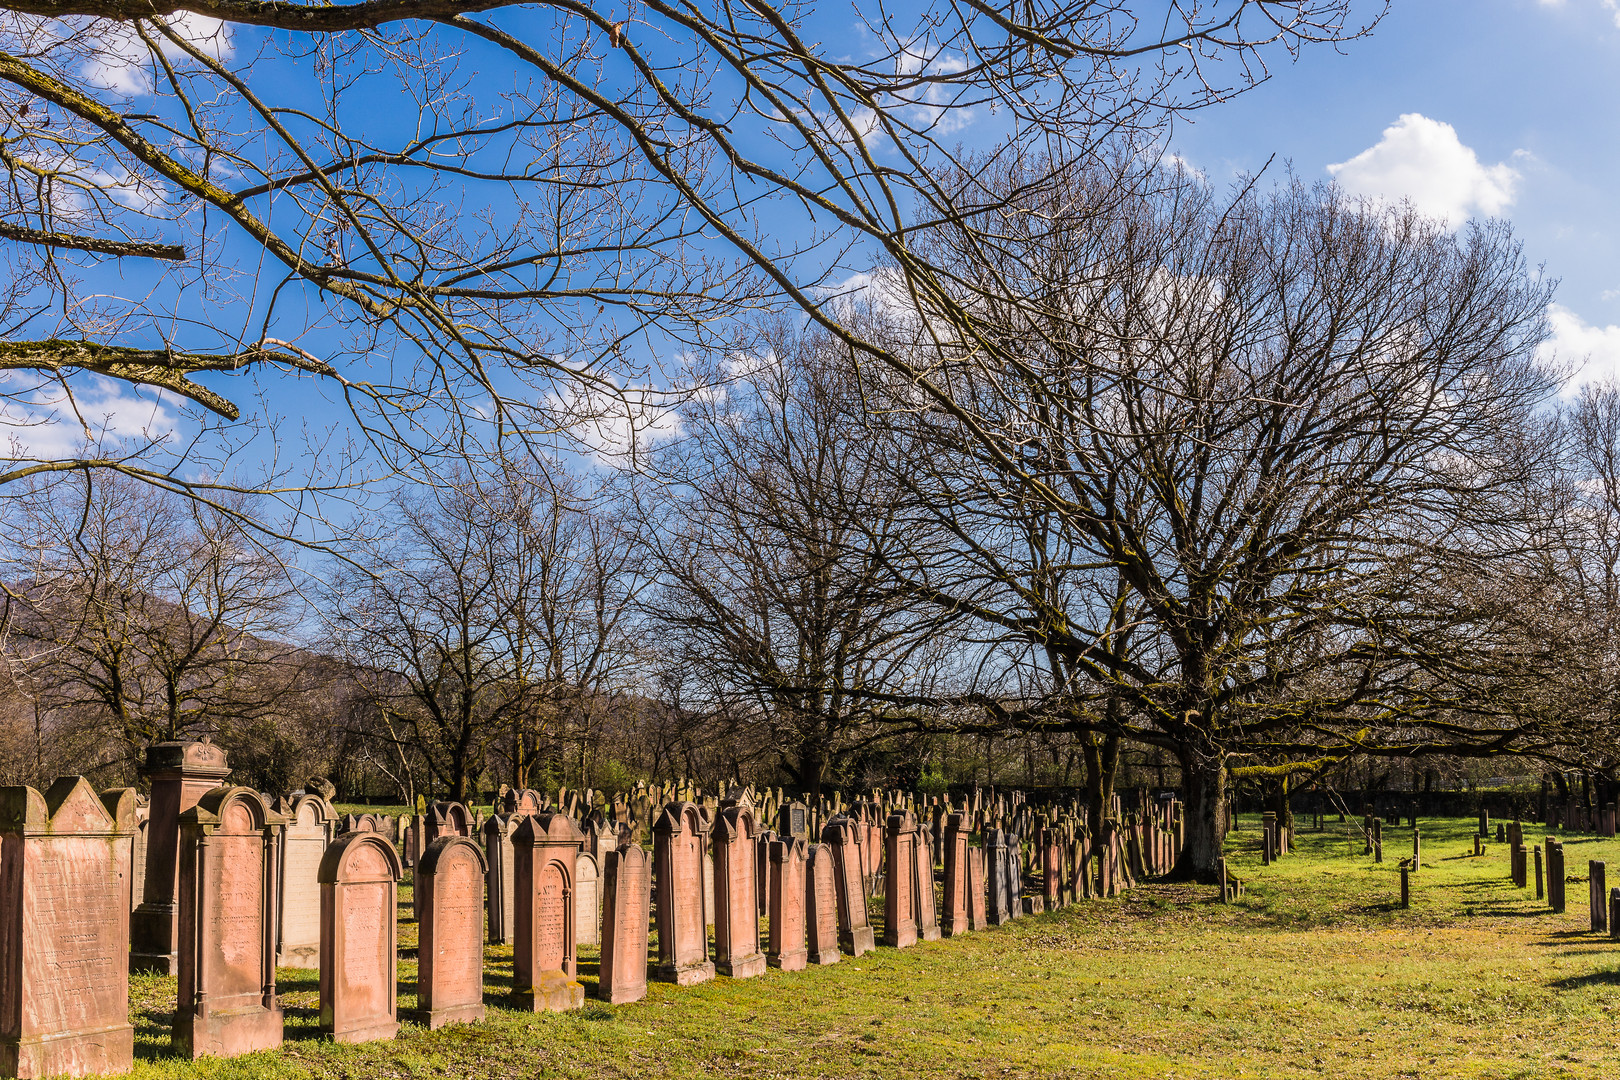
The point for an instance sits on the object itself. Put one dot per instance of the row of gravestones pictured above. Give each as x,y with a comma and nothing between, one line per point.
230,882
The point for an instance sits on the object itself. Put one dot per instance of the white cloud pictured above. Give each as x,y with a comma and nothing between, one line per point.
1611,6
120,61
1593,351
1423,160
613,427
41,422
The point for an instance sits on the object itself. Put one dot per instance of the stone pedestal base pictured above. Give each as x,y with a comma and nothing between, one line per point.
862,941
826,956
556,992
900,939
227,1034
686,974
307,958
1034,905
153,931
621,995
956,929
929,933
80,1053
744,967
790,961
457,1014
369,1033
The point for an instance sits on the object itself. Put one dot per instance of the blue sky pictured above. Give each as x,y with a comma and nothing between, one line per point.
1529,90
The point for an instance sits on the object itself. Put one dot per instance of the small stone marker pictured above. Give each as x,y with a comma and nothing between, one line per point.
1406,886
227,993
544,960
1555,874
359,879
1597,894
821,905
450,949
785,947
626,896
64,930
679,837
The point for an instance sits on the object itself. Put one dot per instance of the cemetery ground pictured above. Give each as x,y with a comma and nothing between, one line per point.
1317,971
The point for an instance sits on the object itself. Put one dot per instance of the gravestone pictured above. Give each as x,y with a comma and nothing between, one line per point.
450,973
137,859
977,919
762,868
587,901
924,902
180,772
298,910
1598,894
786,947
626,897
1003,892
544,957
359,880
736,893
64,930
497,832
227,990
679,838
1555,874
855,935
954,839
821,906
793,821
523,802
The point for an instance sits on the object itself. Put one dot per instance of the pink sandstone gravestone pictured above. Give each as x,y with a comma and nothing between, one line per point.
923,899
736,916
450,951
359,879
64,930
954,840
975,888
499,880
544,963
821,906
855,935
900,882
227,993
626,897
786,946
679,839
303,843
180,772
587,900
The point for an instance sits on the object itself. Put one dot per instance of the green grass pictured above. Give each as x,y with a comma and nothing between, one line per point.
1317,972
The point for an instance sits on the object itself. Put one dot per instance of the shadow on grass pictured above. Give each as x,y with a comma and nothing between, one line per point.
1610,977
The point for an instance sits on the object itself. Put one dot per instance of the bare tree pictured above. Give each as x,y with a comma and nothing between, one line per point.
1302,431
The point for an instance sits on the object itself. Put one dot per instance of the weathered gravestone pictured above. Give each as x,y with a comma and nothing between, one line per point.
793,821
298,907
763,838
679,839
977,919
137,860
180,772
626,897
450,973
1003,892
954,839
359,880
821,906
587,900
1597,894
523,802
736,893
64,930
227,995
855,935
786,944
544,960
500,881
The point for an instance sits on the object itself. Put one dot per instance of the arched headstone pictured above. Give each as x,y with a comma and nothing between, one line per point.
786,945
450,971
736,893
227,995
821,905
626,894
303,844
544,960
855,935
587,900
359,880
678,881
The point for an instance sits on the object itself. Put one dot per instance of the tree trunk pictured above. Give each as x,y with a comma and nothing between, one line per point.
1205,783
1102,765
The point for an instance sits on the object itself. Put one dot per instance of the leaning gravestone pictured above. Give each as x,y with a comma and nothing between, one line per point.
64,930
359,880
626,896
678,881
180,772
227,994
450,978
544,965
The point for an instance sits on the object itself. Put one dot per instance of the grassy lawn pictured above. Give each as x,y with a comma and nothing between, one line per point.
1317,972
